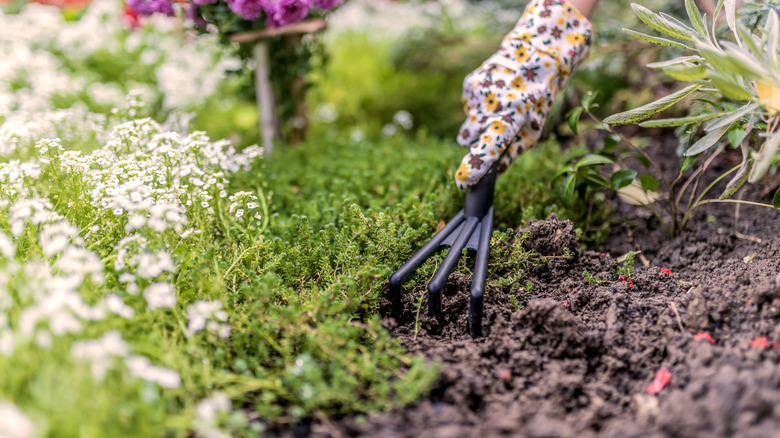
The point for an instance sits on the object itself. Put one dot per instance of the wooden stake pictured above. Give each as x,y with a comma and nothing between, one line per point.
264,92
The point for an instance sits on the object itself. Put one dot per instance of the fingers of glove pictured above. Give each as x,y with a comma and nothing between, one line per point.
488,94
526,138
491,144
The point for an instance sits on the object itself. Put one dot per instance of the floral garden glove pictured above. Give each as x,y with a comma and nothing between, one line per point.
508,97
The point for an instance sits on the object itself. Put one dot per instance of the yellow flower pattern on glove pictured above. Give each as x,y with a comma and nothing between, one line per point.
507,99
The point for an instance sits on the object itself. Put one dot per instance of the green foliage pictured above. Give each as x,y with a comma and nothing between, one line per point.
736,81
422,75
516,306
627,268
590,278
738,72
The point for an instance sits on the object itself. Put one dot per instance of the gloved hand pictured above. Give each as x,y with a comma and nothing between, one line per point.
508,97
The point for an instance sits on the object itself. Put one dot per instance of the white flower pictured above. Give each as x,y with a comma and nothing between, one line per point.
403,119
134,222
43,339
100,352
56,237
152,265
13,422
141,368
7,246
6,343
203,314
82,262
160,295
389,129
207,415
117,306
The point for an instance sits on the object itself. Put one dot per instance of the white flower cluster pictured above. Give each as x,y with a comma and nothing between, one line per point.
244,206
13,422
40,46
102,352
46,290
97,201
207,315
156,176
208,415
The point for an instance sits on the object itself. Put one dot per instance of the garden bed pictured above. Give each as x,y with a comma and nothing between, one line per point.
578,358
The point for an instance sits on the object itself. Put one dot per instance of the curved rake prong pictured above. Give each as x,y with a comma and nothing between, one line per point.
470,228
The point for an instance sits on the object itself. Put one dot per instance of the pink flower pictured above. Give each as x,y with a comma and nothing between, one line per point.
326,5
284,12
249,9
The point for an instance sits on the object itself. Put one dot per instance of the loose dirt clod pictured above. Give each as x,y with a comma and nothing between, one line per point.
551,237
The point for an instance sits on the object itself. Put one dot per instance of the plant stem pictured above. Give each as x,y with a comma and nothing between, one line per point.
714,201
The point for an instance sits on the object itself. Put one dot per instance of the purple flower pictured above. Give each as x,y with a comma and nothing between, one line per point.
249,9
326,5
149,7
193,13
283,12
203,2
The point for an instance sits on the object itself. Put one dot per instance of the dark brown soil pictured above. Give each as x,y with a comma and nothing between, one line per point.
577,359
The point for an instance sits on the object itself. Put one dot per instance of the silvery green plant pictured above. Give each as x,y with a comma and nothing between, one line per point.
737,76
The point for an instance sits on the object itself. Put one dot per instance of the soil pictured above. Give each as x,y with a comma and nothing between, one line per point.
579,357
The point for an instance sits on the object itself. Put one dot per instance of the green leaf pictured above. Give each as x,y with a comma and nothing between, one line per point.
737,182
610,141
776,199
567,188
729,118
766,157
655,40
729,88
742,63
680,60
663,123
695,16
621,178
587,100
649,183
730,6
747,39
735,137
686,72
661,24
688,162
646,111
595,178
592,160
772,35
707,141
574,118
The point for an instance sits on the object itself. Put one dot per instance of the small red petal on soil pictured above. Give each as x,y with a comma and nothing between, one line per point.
759,342
603,254
662,378
505,375
706,336
775,345
666,271
622,278
565,303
